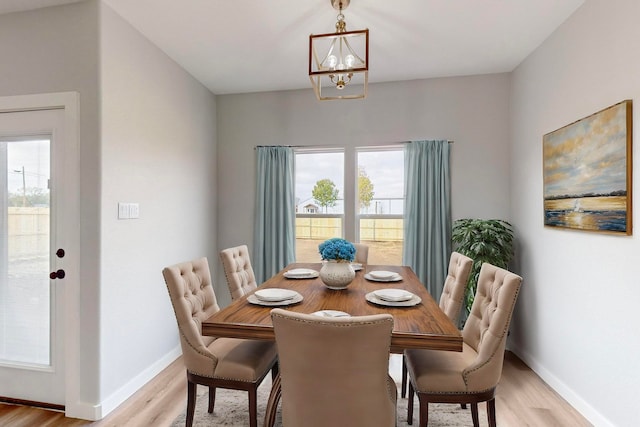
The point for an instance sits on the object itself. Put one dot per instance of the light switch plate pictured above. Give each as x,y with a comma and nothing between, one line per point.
123,210
134,210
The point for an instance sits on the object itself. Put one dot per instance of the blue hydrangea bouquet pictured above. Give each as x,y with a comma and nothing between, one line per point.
337,249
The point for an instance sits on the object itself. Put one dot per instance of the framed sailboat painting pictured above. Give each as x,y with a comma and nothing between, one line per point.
587,172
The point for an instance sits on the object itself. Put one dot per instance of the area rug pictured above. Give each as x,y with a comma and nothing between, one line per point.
231,409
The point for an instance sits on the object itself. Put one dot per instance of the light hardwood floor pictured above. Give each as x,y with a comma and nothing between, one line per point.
523,399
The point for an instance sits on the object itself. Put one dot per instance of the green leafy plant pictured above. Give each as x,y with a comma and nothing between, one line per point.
482,240
365,188
325,193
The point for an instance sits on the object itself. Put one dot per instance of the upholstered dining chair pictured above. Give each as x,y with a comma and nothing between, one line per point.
455,285
452,296
472,375
213,362
238,271
334,371
362,253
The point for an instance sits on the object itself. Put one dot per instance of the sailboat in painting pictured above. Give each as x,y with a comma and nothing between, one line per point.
577,207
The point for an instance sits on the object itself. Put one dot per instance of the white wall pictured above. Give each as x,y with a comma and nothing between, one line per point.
158,150
147,135
575,322
56,50
472,111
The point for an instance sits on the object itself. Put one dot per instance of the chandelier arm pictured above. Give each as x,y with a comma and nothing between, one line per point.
352,51
329,52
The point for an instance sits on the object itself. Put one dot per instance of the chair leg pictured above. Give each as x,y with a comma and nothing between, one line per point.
272,403
491,412
274,371
212,399
410,406
474,415
463,405
253,407
424,412
191,402
403,387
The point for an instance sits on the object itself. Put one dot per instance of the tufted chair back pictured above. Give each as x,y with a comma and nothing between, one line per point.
362,253
455,285
238,271
486,328
334,371
193,300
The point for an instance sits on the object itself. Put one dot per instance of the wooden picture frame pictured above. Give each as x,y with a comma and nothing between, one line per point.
587,172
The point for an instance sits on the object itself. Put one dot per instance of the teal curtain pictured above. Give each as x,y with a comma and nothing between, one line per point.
274,240
427,212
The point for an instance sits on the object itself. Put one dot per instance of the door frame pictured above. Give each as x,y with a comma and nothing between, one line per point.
70,103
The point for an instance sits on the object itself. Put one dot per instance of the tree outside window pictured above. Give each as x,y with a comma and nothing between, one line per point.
325,193
365,189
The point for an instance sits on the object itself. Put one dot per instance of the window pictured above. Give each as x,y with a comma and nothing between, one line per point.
363,202
380,203
319,200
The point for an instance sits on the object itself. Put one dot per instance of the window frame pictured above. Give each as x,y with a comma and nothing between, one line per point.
351,215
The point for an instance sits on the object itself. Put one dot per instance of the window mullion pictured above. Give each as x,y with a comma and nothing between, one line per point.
350,196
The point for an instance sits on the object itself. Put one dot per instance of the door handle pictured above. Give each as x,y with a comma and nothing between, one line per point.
57,274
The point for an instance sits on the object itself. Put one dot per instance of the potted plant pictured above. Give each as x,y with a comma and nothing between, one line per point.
337,272
482,240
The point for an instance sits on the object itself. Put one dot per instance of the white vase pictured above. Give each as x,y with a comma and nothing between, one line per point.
337,274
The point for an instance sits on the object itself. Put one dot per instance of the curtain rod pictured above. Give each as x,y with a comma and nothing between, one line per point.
308,146
311,147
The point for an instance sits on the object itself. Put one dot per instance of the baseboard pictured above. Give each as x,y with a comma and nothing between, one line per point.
83,411
136,383
567,393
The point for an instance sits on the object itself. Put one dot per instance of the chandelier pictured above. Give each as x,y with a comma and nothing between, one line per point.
339,62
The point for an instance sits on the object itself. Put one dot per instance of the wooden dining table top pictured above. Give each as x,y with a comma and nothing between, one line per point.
421,326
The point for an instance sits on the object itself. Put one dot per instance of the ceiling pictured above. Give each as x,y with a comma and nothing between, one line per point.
239,46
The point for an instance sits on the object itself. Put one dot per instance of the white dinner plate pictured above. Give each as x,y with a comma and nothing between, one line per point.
274,294
301,273
371,297
395,278
393,294
382,274
331,313
254,300
356,266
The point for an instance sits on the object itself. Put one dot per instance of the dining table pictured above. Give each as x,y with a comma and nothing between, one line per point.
423,325
418,323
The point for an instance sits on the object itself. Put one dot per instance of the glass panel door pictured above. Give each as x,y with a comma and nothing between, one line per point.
25,291
34,219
